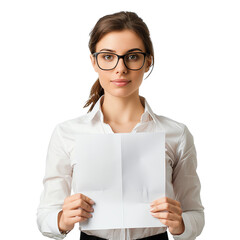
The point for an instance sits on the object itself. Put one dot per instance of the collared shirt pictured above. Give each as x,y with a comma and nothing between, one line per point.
182,181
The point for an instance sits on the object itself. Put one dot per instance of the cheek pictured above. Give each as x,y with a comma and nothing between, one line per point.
104,78
139,75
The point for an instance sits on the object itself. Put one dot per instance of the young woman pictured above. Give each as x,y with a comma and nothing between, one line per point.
121,53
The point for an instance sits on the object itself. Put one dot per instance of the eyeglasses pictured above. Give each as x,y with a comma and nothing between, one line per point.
108,61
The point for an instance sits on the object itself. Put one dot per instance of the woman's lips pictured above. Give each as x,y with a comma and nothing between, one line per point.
121,82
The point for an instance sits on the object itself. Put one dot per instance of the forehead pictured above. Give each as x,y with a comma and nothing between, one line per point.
120,41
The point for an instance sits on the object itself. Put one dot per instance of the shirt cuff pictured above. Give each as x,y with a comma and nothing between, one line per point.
187,234
51,226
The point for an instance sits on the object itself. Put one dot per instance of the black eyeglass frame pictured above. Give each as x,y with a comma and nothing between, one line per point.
120,56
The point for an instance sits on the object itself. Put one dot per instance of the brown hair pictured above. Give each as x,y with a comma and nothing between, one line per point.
115,22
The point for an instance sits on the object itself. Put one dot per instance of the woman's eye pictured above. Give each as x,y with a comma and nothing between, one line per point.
133,57
108,57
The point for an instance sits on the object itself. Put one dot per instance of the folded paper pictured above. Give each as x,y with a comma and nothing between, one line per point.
123,173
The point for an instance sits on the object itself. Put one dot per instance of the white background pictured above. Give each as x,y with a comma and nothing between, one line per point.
46,77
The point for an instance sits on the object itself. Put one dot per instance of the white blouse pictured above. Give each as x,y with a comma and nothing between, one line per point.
182,181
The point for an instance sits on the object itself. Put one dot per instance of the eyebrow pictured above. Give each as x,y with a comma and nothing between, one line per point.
131,50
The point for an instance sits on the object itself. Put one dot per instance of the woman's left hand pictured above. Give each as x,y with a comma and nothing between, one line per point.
169,212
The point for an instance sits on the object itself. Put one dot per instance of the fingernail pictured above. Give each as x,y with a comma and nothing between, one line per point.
91,201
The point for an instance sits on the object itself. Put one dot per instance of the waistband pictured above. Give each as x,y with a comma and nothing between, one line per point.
161,236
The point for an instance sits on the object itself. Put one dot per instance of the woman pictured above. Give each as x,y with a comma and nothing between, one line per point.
121,53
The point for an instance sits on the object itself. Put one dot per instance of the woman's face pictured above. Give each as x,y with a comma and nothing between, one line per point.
120,42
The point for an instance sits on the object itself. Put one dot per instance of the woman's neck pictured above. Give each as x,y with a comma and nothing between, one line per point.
122,110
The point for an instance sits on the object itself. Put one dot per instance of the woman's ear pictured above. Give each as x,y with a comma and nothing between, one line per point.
93,61
148,63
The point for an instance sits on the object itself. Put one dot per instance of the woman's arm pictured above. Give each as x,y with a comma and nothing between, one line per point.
183,216
187,187
57,186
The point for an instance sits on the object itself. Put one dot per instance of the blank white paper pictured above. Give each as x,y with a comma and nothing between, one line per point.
123,173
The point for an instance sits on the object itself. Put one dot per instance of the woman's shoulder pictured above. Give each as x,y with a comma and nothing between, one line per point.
72,125
170,124
175,129
72,121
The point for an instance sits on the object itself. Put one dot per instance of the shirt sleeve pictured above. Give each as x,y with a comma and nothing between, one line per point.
187,187
57,186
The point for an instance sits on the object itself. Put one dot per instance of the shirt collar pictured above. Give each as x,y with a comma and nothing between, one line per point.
96,112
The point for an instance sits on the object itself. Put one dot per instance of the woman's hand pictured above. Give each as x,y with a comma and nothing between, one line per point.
169,212
76,208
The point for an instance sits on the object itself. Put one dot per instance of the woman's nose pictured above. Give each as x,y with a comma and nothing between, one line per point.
121,66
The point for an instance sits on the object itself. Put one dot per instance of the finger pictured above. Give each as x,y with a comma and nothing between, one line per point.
165,200
167,207
166,215
169,223
80,203
76,219
78,196
78,213
87,199
72,198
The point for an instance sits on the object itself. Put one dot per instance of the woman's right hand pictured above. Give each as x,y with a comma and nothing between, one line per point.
76,208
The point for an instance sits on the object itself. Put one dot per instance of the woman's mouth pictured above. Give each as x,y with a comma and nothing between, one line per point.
120,82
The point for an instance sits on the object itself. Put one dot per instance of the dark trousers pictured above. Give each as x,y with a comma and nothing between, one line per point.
161,236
